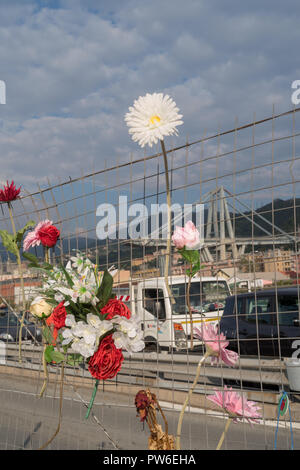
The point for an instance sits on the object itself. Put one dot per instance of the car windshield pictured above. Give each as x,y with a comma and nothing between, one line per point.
202,296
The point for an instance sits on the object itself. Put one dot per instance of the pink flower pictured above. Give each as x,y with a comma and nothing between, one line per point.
187,236
216,344
236,406
41,234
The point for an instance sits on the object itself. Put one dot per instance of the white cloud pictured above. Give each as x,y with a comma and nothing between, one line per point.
73,71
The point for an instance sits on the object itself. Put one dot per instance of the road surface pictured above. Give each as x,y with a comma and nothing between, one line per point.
27,422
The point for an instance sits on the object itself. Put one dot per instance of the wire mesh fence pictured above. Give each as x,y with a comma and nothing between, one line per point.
246,183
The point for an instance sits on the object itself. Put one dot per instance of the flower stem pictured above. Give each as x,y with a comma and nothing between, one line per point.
92,399
224,433
190,310
46,254
21,279
187,400
60,409
168,253
45,373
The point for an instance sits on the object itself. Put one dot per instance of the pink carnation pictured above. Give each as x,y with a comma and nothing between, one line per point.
236,406
35,238
187,236
216,344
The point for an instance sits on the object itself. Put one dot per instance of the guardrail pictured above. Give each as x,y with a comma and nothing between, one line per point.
174,371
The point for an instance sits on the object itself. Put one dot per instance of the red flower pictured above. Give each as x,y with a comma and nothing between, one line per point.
44,233
115,307
143,401
48,235
9,192
106,361
57,318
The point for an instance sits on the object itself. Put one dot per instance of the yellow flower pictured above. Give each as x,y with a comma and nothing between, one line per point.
39,308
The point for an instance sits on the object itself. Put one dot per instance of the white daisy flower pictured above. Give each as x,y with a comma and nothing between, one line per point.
152,117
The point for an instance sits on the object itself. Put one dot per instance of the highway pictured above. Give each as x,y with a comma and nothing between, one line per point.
27,422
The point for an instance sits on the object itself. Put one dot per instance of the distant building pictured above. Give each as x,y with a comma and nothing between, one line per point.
279,260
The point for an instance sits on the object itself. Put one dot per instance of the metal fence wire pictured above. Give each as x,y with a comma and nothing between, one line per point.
246,180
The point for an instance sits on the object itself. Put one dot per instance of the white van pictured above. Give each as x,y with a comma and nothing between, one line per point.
165,321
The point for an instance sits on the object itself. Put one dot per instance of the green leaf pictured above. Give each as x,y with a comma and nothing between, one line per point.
9,242
47,266
192,256
57,357
73,359
69,280
32,258
48,353
104,291
47,333
20,233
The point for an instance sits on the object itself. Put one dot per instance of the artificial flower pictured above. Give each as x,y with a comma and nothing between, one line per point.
81,291
216,344
80,263
128,334
82,336
187,236
45,233
9,193
152,117
236,406
49,235
115,307
40,308
131,345
107,360
57,318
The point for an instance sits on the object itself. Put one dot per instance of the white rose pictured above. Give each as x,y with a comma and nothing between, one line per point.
39,307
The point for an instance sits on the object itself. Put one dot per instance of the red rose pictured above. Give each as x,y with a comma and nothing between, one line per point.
57,318
48,235
115,307
106,361
9,192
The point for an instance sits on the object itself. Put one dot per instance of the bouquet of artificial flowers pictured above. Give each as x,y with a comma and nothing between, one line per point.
83,320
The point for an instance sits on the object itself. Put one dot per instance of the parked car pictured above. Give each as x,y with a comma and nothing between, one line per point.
10,326
264,322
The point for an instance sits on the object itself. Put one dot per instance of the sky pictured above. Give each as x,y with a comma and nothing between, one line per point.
73,67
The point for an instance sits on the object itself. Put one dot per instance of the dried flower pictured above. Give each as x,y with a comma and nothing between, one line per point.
143,401
146,404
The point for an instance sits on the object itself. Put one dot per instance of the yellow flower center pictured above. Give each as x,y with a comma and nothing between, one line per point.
154,119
